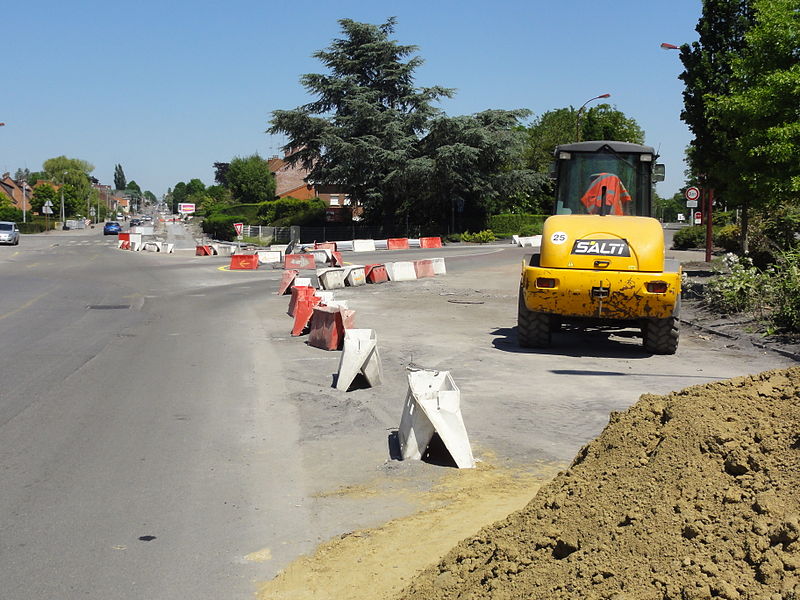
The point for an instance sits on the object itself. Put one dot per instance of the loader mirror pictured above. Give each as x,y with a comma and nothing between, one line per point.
659,172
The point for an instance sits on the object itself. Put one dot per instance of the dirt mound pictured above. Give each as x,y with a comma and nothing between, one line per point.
691,495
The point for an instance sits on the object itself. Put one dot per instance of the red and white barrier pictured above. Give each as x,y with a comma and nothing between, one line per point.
430,242
327,327
299,294
299,261
302,314
244,262
287,280
438,266
423,268
397,243
376,273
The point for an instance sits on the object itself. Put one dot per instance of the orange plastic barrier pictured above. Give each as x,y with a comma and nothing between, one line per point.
336,259
124,236
376,273
244,261
397,244
326,329
302,313
430,242
299,294
286,281
325,246
299,261
203,251
126,245
424,268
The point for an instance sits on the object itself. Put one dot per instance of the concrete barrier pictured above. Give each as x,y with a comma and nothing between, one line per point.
359,357
363,245
244,262
533,241
401,271
325,298
124,244
302,314
299,261
322,256
433,405
279,248
354,275
430,242
266,257
423,268
325,246
346,246
151,247
413,243
398,243
331,279
376,273
299,293
327,327
439,266
381,244
287,281
136,241
224,249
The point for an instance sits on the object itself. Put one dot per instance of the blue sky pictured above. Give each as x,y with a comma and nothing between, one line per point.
168,88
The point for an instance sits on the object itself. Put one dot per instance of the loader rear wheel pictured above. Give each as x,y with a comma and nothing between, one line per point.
661,335
533,328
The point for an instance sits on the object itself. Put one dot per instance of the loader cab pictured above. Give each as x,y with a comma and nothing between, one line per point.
605,178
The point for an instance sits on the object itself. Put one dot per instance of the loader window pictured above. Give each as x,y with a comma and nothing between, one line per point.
603,183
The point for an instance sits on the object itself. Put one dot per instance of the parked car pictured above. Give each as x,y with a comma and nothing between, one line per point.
135,222
9,234
112,228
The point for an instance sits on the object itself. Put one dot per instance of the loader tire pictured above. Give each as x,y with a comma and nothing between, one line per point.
533,328
661,335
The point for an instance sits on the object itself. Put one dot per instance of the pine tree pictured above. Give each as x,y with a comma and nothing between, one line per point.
120,183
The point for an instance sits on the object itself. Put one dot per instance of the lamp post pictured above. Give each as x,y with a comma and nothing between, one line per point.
580,111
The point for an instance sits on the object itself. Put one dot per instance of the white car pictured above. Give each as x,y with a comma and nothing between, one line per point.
9,234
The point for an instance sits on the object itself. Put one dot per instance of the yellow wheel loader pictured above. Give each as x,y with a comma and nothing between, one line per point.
601,260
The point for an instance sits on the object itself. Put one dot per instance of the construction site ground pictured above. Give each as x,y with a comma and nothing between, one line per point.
377,523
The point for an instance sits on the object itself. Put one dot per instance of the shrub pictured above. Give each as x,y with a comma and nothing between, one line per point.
786,291
727,237
690,237
453,237
740,290
291,211
512,224
220,227
481,237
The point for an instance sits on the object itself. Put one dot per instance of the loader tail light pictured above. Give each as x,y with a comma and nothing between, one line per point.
545,282
656,287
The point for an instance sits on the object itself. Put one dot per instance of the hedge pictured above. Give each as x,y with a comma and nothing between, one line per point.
220,227
516,224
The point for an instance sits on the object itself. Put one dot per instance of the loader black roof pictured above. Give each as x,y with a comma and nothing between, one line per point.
594,146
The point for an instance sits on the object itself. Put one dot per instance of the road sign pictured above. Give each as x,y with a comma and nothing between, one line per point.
46,210
681,217
239,227
692,193
698,218
91,211
185,208
48,204
691,204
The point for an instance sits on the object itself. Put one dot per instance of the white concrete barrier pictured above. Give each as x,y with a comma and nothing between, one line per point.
331,279
324,297
433,405
413,243
381,244
279,248
354,275
151,247
363,245
346,245
401,271
359,356
269,256
534,241
224,249
438,266
321,256
302,282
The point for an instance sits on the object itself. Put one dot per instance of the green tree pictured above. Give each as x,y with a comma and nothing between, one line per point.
195,186
762,103
708,73
133,187
119,178
179,194
151,197
41,194
250,180
368,116
602,122
71,171
467,168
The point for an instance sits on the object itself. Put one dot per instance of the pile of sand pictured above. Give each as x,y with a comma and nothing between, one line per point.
691,495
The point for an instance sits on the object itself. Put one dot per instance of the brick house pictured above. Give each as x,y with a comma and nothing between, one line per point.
17,192
292,181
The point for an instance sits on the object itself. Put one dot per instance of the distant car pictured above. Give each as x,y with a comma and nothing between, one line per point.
112,228
135,222
9,234
148,218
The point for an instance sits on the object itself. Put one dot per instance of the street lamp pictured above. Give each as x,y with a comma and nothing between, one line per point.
580,111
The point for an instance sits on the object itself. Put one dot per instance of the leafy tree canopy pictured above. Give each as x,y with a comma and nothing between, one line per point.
133,187
249,180
119,178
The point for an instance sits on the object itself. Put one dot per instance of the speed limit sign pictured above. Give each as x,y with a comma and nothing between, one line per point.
692,193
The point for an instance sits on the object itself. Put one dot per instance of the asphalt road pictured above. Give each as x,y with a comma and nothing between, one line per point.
162,436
